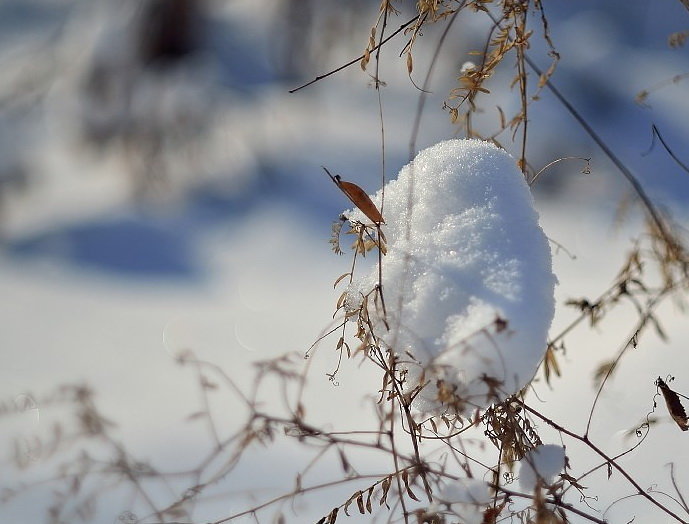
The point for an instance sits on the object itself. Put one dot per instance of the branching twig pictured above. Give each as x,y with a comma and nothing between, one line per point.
355,60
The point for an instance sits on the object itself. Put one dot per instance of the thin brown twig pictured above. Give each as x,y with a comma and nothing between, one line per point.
286,496
355,60
382,155
656,133
621,166
553,501
585,439
427,82
683,502
631,341
550,164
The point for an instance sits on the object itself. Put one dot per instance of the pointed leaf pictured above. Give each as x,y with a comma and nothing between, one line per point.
339,279
387,482
358,197
674,406
360,503
411,494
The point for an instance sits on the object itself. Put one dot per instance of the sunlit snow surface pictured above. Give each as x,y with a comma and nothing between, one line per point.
465,253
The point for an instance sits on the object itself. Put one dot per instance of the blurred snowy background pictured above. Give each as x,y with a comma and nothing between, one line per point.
161,190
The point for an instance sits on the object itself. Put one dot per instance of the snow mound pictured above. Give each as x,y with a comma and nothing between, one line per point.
541,464
466,491
467,280
467,497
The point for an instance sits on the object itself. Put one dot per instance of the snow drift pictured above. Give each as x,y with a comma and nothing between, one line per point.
467,278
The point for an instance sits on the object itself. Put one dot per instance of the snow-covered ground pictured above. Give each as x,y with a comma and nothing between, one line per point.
234,264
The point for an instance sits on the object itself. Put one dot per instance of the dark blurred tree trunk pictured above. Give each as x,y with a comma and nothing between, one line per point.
168,30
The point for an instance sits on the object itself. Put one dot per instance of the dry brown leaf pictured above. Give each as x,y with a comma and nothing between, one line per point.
674,406
359,198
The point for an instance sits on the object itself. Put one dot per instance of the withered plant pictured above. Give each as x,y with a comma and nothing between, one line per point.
398,465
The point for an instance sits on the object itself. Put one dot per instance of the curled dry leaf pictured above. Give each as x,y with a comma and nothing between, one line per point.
678,39
358,197
387,482
674,406
360,502
490,515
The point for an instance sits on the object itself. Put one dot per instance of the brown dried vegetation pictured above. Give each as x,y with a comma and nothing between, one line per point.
422,455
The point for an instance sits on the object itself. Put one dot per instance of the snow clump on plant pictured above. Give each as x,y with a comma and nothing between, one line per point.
467,281
540,466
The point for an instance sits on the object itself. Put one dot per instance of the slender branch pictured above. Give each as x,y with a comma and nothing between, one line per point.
670,152
629,343
609,460
626,172
683,502
554,502
544,168
378,84
520,30
286,496
355,60
427,81
395,455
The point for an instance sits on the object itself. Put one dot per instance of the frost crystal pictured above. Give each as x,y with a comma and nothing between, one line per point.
467,279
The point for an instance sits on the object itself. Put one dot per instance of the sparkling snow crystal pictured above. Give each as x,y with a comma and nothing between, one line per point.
467,278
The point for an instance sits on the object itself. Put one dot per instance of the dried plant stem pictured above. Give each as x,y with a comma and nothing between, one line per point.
355,60
299,491
522,42
553,501
631,342
670,152
626,172
395,455
427,82
550,164
382,157
609,460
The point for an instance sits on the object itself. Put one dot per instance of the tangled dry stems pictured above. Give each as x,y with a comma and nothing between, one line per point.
423,454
